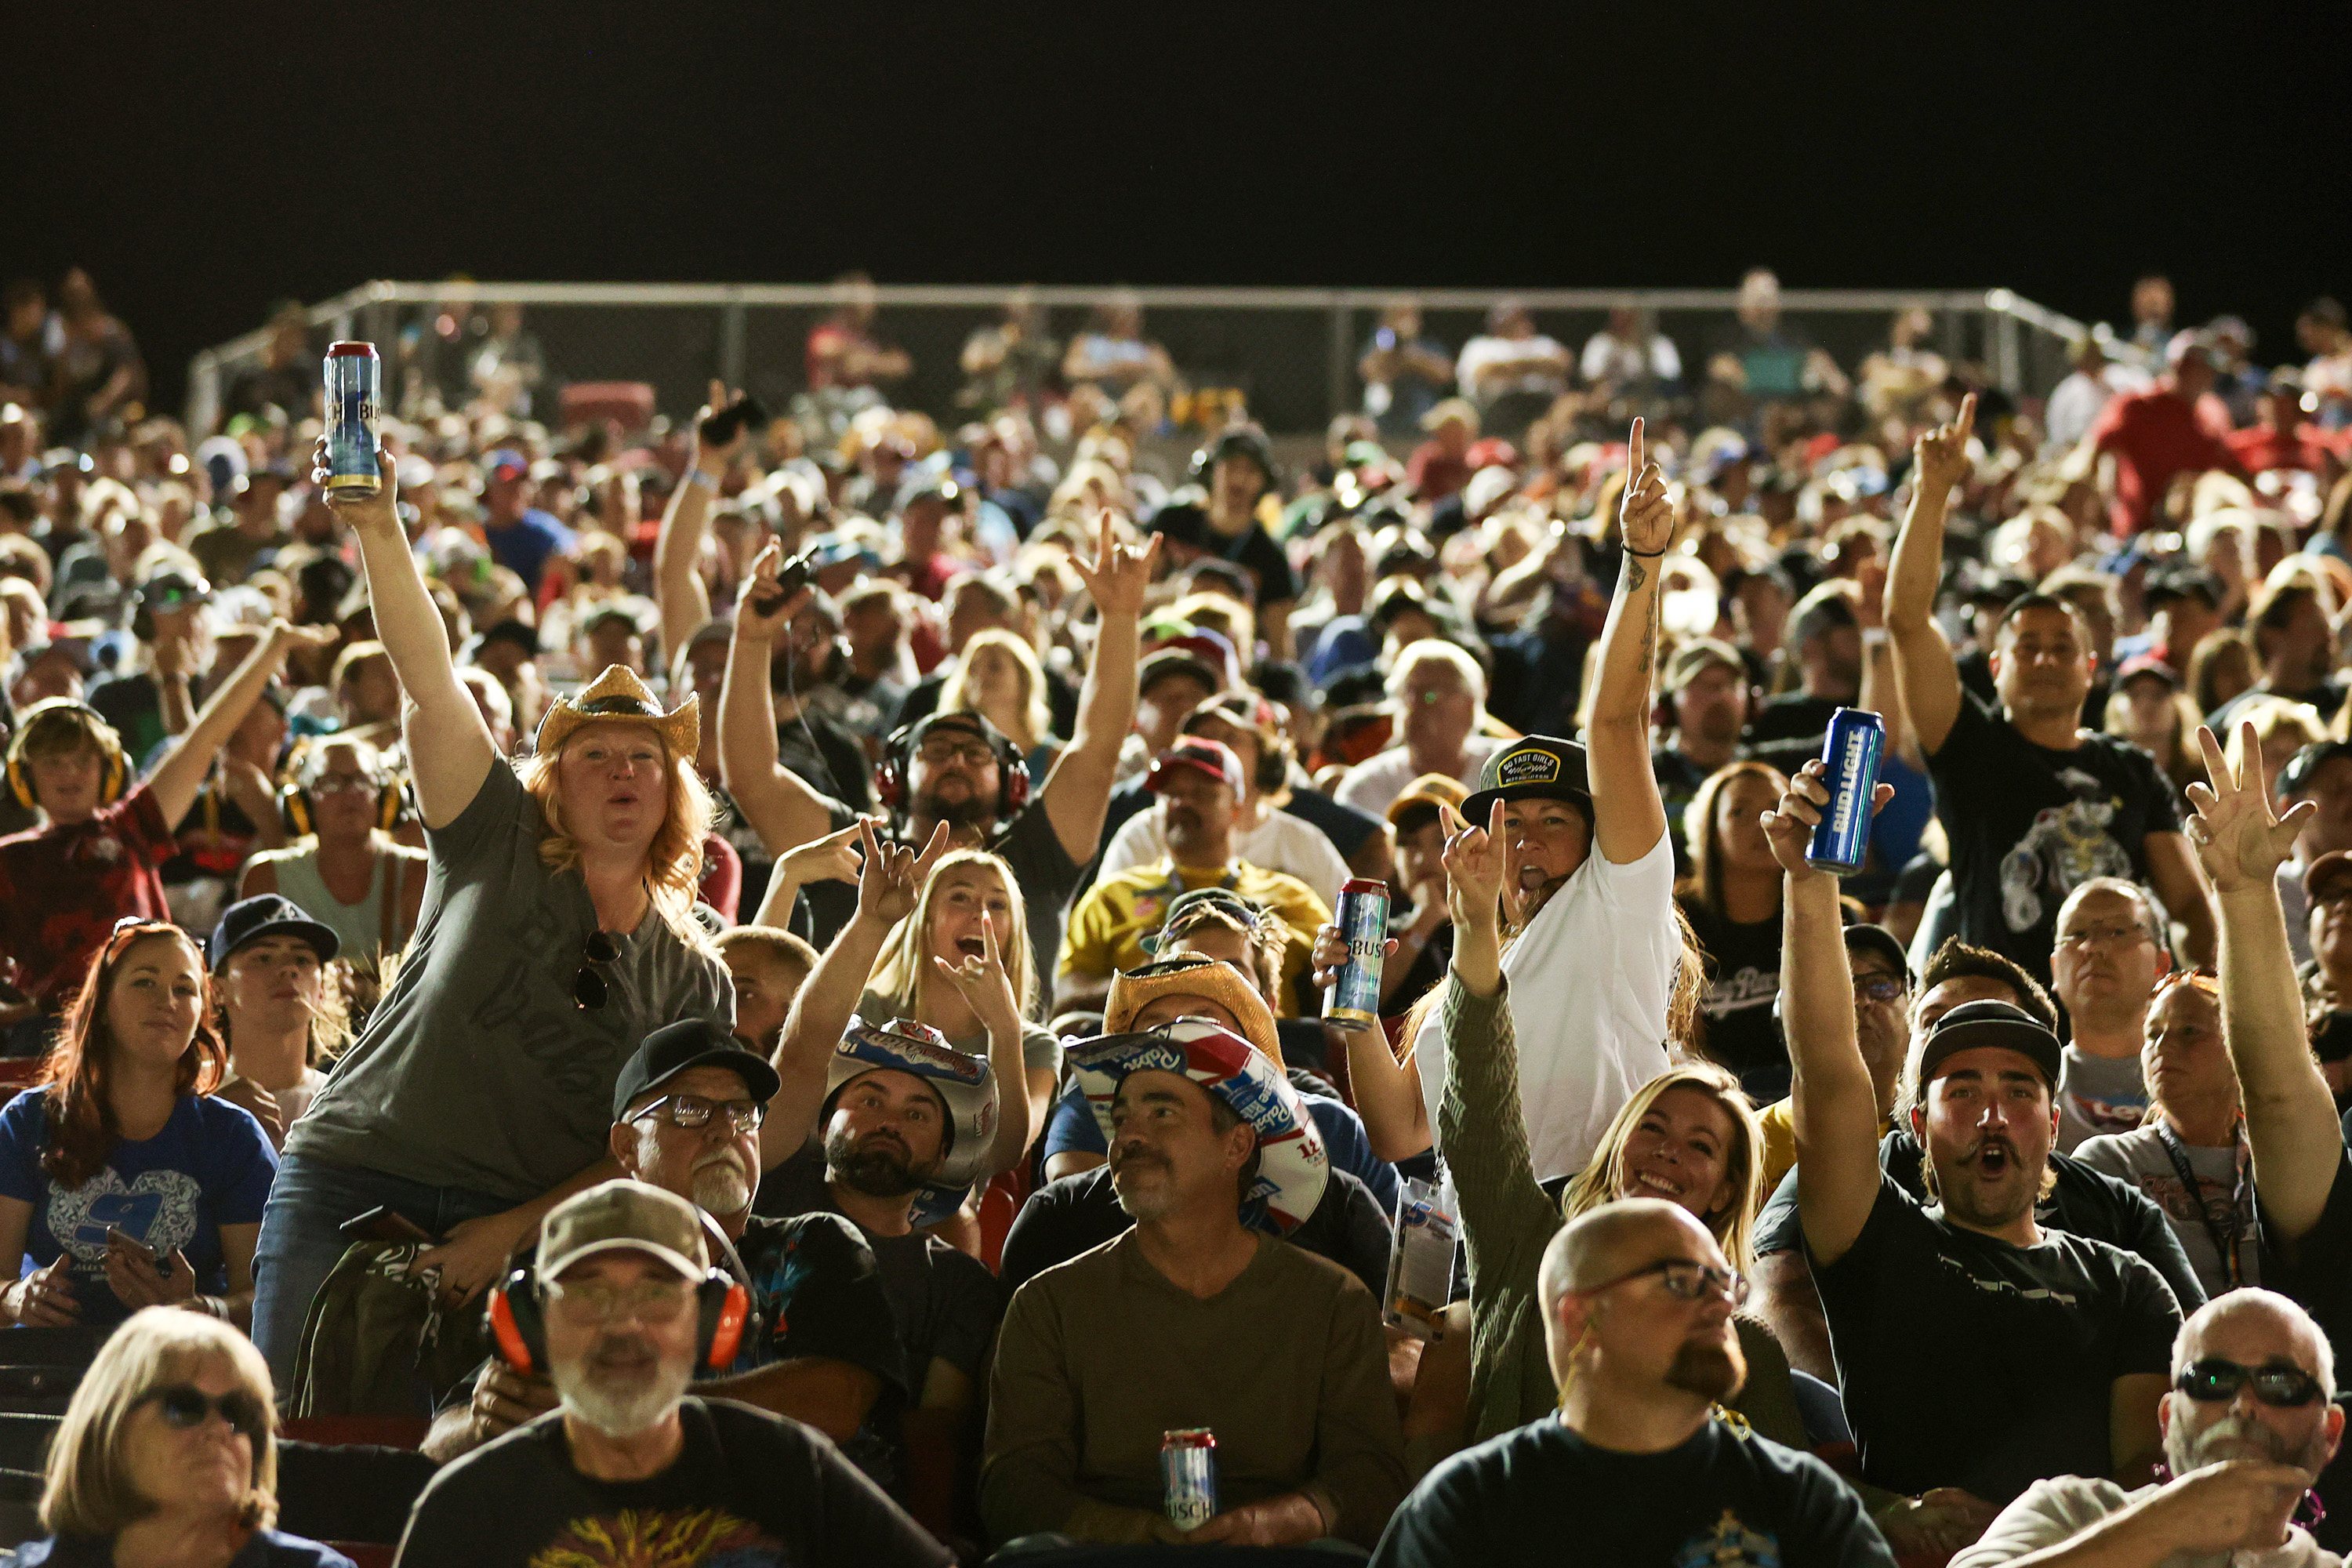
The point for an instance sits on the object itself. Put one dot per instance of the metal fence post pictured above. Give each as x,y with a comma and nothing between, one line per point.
730,342
1339,374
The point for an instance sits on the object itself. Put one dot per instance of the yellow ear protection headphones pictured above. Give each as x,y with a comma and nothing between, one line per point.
117,770
294,805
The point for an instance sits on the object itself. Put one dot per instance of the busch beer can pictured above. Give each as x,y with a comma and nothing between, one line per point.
1354,999
355,400
1188,1476
1856,739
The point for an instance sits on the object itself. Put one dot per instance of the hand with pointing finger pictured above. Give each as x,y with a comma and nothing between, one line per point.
1645,518
1940,456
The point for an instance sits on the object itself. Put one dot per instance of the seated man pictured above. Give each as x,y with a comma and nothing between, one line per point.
1192,1320
2247,1428
1637,1467
1921,1299
1201,781
686,1118
618,1305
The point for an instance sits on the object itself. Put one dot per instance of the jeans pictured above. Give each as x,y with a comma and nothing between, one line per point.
302,1240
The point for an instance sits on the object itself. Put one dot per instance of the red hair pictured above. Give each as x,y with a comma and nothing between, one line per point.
75,1074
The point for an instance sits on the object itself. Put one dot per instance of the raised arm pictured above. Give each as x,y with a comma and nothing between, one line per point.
989,990
780,807
458,752
1923,670
886,889
2291,1123
1078,792
1628,818
182,770
1832,1102
677,548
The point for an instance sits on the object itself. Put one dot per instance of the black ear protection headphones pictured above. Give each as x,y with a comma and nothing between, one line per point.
893,777
519,1322
294,805
117,771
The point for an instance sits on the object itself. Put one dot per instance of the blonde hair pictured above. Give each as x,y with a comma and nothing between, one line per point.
674,859
2271,716
88,1489
956,696
904,971
1734,1226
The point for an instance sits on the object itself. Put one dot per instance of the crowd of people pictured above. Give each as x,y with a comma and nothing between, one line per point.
763,980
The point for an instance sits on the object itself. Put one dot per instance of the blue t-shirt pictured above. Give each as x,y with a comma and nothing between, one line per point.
523,547
210,1166
1073,1130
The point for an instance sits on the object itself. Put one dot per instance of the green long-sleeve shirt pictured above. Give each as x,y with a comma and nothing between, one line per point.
1102,1356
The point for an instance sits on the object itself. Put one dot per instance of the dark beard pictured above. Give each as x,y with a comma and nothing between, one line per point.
969,812
880,1171
1704,1367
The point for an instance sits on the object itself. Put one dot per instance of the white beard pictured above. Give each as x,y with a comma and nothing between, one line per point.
619,1412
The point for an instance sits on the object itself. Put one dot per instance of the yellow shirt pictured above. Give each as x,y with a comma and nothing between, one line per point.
1105,931
1781,1143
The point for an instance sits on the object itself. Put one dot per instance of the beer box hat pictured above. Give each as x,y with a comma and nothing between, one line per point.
1193,974
963,1083
1538,767
1293,1169
623,1216
621,693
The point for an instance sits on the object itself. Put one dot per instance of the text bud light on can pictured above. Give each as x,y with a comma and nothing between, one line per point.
1354,999
1188,1476
355,402
1849,771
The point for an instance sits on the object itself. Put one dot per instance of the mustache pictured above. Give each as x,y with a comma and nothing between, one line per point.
1126,1155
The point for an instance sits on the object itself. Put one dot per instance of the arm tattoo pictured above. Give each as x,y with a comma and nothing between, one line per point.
1635,576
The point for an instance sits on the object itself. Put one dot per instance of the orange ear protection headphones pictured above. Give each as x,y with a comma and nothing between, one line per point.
519,1322
892,777
301,817
117,770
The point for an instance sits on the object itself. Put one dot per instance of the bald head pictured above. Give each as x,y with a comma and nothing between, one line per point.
1611,1241
2256,1317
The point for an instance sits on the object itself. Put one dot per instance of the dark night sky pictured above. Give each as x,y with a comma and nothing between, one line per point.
222,157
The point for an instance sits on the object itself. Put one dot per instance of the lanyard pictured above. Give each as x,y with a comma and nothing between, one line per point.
2225,1245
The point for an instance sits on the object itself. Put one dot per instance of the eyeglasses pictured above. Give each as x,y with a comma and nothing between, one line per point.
692,1111
591,1302
970,754
1878,987
2103,936
185,1407
2284,1387
343,784
1686,1280
589,990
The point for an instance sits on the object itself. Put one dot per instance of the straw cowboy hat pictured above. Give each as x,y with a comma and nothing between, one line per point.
620,694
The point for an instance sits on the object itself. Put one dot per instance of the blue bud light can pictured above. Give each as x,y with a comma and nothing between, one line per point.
1354,1000
354,404
1857,738
1188,1476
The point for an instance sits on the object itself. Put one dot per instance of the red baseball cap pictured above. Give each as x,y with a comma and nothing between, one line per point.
1213,758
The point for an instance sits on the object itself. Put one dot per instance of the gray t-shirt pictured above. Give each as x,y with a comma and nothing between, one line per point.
2223,1204
2098,1095
477,1070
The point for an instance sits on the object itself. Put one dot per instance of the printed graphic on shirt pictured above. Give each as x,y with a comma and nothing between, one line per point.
159,1208
1745,989
1729,1544
700,1538
2102,1115
2066,847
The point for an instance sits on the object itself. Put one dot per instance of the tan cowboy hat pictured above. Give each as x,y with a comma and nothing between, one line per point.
620,694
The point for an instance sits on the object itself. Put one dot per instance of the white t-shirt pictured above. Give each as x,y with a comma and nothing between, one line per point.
1482,352
1590,977
1281,843
1374,783
2063,1506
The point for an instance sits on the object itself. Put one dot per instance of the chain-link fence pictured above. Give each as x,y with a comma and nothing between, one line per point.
1290,355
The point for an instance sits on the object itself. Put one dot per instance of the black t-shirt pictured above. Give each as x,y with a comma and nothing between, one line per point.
2317,1272
1742,963
1678,779
1792,725
943,1303
1255,552
1079,1213
748,1490
2028,825
1964,1360
2082,1201
820,1292
825,753
1542,1495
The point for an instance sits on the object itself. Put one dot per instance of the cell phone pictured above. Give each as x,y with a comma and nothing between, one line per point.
163,1259
791,578
728,423
380,1224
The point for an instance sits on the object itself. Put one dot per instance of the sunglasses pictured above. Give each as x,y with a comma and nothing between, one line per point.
2212,1380
589,989
185,1407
